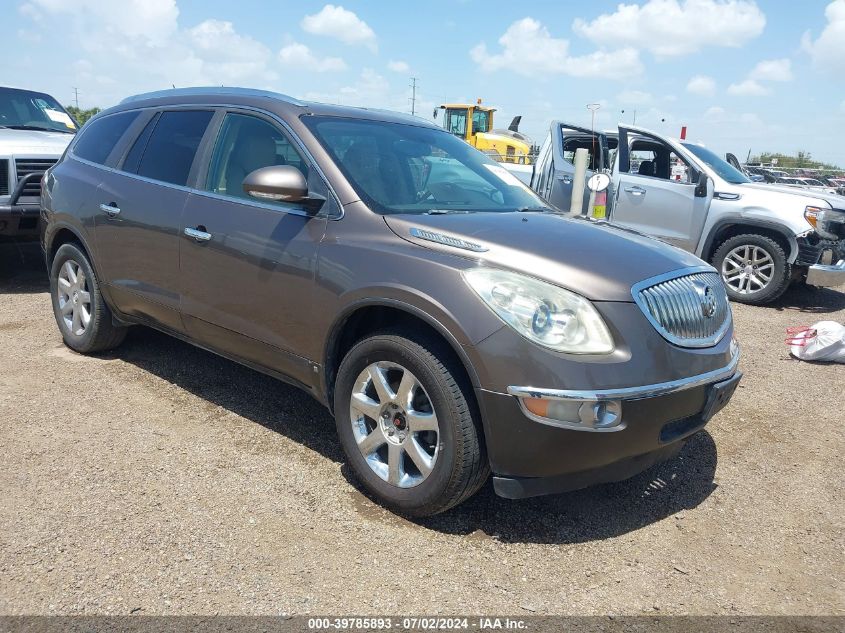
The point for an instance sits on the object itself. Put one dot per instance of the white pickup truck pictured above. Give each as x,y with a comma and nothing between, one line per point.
34,132
761,237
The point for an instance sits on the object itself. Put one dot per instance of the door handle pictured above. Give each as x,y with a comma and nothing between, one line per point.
199,234
636,191
567,180
111,209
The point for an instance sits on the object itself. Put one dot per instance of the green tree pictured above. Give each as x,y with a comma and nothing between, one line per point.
801,159
81,115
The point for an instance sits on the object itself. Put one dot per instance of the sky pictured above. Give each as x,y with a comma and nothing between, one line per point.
741,75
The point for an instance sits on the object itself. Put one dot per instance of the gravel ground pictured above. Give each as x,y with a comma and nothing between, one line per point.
162,479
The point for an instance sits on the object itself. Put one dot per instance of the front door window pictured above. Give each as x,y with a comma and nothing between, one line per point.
246,143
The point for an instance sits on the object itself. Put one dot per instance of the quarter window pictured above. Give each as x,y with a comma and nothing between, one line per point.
97,139
172,146
133,158
247,143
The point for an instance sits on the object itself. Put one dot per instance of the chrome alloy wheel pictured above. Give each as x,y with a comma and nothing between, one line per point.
394,424
748,269
74,298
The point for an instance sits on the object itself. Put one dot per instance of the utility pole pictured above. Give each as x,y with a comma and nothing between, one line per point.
413,96
76,97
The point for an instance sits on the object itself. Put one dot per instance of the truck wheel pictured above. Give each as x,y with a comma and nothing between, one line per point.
83,317
753,268
407,423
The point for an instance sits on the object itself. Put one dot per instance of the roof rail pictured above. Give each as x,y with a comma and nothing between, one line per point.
213,90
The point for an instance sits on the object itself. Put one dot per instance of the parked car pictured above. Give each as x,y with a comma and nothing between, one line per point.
452,323
802,182
759,236
34,131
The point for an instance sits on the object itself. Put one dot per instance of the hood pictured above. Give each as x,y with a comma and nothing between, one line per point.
835,201
594,259
23,142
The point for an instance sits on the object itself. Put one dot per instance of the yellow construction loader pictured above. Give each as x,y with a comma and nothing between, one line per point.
474,124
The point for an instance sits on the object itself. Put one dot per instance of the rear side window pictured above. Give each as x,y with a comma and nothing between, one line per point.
98,138
172,146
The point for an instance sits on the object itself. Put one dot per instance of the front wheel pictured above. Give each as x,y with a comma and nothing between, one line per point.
407,424
82,315
754,268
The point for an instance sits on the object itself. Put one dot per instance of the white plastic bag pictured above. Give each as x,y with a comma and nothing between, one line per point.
823,342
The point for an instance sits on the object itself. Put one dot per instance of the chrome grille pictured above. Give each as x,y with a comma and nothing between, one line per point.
689,310
26,166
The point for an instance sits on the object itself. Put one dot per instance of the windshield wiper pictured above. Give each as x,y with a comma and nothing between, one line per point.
446,211
34,127
536,209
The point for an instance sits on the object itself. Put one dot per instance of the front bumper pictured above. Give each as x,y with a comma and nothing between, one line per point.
531,457
19,215
827,275
19,220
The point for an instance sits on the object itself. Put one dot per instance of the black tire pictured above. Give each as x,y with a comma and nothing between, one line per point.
461,467
781,269
100,334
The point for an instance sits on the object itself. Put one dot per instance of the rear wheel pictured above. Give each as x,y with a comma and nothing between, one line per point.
407,424
753,268
81,313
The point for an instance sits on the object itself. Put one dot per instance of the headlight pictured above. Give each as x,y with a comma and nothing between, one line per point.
811,214
543,313
820,218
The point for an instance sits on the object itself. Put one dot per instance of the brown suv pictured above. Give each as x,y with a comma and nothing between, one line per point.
452,322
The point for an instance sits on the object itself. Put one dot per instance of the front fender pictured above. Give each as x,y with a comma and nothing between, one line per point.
754,218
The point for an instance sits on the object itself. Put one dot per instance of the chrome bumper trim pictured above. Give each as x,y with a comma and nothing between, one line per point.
632,393
827,276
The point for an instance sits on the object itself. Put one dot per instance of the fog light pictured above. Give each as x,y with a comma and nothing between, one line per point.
584,414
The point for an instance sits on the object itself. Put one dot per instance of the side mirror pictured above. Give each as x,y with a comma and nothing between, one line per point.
281,183
704,184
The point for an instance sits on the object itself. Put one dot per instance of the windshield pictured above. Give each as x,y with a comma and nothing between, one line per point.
401,168
723,169
25,110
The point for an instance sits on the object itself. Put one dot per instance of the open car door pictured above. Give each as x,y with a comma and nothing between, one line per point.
554,170
658,191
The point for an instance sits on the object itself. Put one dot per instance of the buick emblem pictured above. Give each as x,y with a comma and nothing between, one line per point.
707,298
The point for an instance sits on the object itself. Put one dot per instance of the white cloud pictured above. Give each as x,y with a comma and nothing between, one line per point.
369,90
748,88
340,24
714,113
398,66
301,57
140,46
702,85
634,97
828,50
529,49
670,28
772,70
152,20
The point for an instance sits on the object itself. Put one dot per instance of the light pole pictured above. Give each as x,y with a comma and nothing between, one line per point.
593,108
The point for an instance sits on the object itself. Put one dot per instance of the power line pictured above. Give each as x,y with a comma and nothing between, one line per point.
76,97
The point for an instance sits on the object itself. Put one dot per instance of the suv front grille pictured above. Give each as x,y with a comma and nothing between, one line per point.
4,177
26,166
690,310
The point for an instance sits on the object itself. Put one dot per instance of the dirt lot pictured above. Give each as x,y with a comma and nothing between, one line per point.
162,479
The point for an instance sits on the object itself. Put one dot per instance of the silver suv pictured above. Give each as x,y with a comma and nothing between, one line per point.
34,132
453,323
760,237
